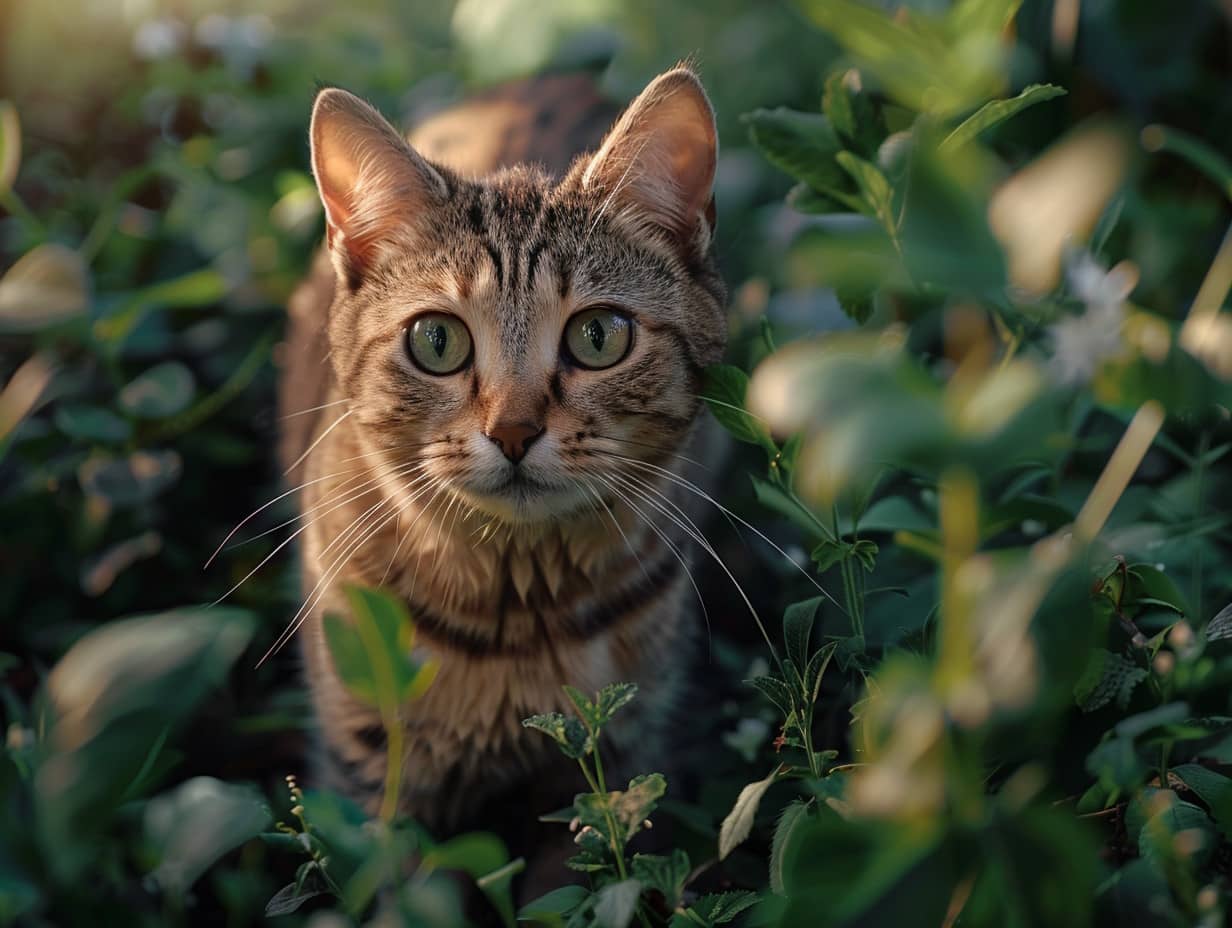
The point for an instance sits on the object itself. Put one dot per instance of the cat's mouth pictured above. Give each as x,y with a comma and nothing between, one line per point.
520,498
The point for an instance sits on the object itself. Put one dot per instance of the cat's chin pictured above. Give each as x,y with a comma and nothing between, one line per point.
523,501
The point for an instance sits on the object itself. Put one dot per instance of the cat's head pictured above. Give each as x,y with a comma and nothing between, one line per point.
517,339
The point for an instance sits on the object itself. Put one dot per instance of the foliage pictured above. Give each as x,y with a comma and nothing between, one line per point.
979,382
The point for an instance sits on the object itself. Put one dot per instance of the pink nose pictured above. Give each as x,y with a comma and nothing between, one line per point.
514,439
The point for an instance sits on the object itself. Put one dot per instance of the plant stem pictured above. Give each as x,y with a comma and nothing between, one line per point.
394,736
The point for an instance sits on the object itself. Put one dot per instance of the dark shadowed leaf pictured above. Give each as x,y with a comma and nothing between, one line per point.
997,111
162,391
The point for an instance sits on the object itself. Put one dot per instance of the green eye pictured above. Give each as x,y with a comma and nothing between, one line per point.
439,343
598,338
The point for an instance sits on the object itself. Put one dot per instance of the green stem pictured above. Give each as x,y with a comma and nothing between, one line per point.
393,768
13,204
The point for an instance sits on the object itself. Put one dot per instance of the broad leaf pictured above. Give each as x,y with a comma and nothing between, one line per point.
800,144
617,903
724,392
47,286
739,822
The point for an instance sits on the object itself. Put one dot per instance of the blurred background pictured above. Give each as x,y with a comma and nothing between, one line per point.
159,147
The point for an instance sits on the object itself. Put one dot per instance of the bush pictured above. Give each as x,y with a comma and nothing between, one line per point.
980,382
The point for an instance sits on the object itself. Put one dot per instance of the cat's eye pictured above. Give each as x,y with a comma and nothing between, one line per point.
439,343
599,337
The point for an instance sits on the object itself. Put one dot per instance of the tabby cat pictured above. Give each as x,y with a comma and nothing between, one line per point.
501,347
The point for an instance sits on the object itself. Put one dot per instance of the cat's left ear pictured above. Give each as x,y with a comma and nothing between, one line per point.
375,188
658,161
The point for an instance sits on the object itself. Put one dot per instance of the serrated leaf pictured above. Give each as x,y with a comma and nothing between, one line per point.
667,874
791,816
722,908
739,821
1220,626
635,805
568,733
800,144
851,111
1214,789
724,389
998,111
1108,677
611,699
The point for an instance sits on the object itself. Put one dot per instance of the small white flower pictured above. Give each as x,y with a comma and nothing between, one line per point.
158,38
1082,343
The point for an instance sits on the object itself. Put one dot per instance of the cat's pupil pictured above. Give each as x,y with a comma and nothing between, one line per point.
438,336
593,329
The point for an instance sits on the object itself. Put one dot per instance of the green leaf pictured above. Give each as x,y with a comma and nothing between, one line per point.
797,627
162,391
804,199
47,286
1152,587
724,389
552,908
634,806
611,699
474,853
198,822
1214,789
739,821
817,669
789,820
776,690
874,189
1220,626
968,17
945,236
291,897
998,111
10,145
92,423
800,144
851,112
1108,677
568,733
372,651
721,908
667,874
616,904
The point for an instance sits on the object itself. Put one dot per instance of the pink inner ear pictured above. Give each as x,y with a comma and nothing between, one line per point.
659,158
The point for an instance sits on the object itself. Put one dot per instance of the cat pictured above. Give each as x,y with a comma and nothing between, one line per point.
502,345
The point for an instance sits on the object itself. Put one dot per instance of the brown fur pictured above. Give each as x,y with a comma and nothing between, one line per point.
575,571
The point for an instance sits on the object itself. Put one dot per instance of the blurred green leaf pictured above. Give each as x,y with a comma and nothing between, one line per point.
665,873
616,904
801,144
130,480
46,287
162,391
554,907
92,423
998,111
10,145
874,189
852,113
724,391
192,826
372,651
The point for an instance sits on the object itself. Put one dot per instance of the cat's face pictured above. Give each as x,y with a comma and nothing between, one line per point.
514,342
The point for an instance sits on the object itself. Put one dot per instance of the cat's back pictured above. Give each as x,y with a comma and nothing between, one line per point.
546,120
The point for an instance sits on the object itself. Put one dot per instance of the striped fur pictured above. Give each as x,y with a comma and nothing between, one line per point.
516,587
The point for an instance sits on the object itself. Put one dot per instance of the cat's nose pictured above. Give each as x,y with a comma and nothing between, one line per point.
514,438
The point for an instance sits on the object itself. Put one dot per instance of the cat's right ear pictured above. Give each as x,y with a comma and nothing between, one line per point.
376,189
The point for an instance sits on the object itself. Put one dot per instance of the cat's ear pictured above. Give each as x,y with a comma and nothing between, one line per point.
658,161
376,189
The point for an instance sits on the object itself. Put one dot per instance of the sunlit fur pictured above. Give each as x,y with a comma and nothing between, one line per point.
571,567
